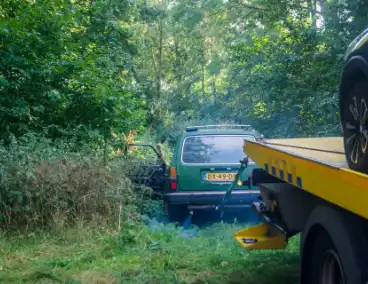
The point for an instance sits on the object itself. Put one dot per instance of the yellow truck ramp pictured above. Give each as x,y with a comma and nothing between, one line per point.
262,236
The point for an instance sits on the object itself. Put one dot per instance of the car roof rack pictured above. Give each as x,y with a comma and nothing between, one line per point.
196,128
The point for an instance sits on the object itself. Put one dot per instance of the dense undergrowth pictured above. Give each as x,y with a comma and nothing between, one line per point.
48,184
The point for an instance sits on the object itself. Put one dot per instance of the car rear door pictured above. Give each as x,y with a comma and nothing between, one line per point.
149,170
210,162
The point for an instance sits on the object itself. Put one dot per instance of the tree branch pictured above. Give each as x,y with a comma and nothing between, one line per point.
248,5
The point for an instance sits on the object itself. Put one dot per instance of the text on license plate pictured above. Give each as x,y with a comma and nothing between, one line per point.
220,176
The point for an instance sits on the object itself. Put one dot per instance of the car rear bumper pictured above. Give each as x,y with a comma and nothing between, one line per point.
200,198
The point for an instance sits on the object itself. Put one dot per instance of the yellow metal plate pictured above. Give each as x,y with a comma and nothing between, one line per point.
259,237
220,176
322,174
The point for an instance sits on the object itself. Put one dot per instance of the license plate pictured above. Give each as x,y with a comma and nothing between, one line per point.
220,176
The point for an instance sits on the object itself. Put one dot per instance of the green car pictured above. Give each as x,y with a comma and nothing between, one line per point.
204,164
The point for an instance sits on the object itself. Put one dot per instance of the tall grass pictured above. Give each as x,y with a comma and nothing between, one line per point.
151,256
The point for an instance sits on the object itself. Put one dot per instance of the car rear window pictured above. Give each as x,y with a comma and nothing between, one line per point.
214,149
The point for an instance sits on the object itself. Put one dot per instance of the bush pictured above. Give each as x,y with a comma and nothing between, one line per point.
44,183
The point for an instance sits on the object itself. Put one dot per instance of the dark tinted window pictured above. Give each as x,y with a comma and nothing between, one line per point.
214,149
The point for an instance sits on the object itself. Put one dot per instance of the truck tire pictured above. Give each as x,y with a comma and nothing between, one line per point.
355,126
333,248
326,267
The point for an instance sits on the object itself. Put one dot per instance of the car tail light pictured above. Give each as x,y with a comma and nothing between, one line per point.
173,184
173,178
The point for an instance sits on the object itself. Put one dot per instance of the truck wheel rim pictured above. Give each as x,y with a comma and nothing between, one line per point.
356,129
332,272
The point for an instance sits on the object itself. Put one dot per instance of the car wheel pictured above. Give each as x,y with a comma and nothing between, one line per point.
177,213
355,126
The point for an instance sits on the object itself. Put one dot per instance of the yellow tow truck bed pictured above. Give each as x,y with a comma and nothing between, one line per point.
326,150
316,165
309,184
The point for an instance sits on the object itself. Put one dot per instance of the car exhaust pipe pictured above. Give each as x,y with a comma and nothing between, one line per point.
188,220
202,207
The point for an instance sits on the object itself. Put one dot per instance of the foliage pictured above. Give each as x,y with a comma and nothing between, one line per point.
63,65
274,64
77,76
43,184
102,67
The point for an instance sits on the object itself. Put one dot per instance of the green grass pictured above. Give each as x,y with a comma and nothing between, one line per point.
103,256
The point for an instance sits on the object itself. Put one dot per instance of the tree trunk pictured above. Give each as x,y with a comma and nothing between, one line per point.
177,60
214,86
202,75
312,7
159,71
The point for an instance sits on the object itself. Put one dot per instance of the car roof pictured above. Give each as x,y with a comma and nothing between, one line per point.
220,130
357,43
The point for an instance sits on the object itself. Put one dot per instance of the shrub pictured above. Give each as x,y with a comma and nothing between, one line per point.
43,183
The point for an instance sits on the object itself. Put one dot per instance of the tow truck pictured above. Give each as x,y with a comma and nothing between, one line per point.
318,187
307,187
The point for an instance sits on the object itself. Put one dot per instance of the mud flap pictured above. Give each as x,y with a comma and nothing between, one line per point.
262,236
